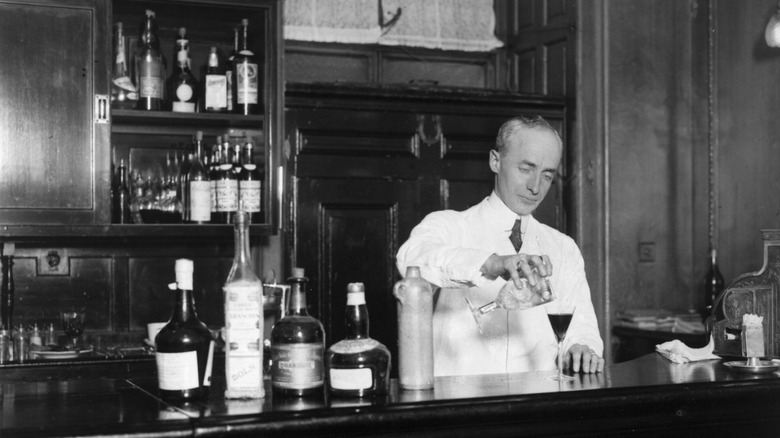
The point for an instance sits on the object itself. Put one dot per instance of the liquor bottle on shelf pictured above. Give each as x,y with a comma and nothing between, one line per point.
182,184
227,185
150,66
184,346
216,158
244,324
122,197
713,283
7,287
297,346
181,85
123,92
199,186
247,75
230,73
358,366
215,85
250,184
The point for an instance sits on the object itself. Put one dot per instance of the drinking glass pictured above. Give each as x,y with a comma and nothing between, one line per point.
73,326
560,313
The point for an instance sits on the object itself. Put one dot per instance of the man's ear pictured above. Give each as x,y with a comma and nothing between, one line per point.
495,160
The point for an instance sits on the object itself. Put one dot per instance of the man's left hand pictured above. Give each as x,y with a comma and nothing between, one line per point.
583,358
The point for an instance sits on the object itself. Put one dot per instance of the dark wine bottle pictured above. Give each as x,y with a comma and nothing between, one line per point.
247,74
713,283
250,182
227,185
199,186
185,347
181,85
297,346
122,197
358,366
150,66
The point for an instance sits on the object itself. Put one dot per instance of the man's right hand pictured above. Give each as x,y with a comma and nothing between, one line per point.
517,266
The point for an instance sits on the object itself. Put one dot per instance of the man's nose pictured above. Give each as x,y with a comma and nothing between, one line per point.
533,184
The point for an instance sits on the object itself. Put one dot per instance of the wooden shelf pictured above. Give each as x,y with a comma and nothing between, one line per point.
114,231
156,122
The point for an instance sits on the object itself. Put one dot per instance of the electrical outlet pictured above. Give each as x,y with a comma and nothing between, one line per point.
53,261
646,252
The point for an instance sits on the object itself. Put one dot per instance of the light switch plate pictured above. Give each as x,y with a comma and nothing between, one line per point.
53,261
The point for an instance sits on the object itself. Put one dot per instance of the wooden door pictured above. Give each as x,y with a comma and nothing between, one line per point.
54,165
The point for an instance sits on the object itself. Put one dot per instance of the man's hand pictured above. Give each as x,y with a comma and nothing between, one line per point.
583,358
516,266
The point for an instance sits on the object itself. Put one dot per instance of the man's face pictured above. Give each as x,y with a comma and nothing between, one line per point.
527,168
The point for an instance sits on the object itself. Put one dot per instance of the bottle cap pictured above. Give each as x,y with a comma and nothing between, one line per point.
298,273
356,294
412,271
184,269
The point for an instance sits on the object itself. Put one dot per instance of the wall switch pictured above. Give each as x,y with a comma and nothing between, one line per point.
646,252
53,262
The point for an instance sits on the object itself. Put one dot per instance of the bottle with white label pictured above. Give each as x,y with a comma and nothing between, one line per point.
150,66
184,346
199,186
243,320
297,346
358,366
250,184
247,75
215,85
182,86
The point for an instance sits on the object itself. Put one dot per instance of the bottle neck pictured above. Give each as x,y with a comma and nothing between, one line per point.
297,298
248,158
122,176
198,151
242,253
185,307
357,322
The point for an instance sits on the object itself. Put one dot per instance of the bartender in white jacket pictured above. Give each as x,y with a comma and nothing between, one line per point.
469,254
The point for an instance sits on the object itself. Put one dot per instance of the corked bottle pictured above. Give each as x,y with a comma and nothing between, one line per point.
415,331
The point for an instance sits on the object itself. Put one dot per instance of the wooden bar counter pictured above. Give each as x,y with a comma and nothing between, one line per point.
648,396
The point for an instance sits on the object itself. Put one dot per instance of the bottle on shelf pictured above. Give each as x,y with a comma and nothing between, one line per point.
123,92
199,186
7,287
713,283
122,197
414,303
247,75
230,73
297,346
182,86
250,182
244,323
150,67
215,84
184,346
358,366
227,185
216,158
182,183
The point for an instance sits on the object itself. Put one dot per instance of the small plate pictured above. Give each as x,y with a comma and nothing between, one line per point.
64,354
741,366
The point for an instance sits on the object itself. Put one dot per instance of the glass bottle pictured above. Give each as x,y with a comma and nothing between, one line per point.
358,366
250,184
215,85
297,346
182,183
230,72
123,92
181,85
713,283
243,320
7,289
227,185
199,186
184,346
150,67
415,331
216,159
247,75
122,197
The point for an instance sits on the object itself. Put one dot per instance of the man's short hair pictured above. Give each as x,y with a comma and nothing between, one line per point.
515,124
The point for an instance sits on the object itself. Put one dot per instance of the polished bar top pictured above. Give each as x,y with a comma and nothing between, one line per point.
648,395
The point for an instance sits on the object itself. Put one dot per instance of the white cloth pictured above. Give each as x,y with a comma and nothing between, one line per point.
678,352
450,247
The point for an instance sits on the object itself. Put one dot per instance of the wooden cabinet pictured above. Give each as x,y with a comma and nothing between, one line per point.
368,163
59,138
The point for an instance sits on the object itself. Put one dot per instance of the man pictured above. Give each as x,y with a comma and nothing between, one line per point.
469,254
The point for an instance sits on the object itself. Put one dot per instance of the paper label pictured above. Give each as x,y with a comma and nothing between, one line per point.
351,378
177,371
297,366
200,200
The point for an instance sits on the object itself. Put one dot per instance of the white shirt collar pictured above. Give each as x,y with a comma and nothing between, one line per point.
502,217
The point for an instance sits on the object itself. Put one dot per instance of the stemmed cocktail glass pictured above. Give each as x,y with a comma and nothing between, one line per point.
73,326
559,313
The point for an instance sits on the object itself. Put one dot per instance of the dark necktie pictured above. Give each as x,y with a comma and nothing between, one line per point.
517,236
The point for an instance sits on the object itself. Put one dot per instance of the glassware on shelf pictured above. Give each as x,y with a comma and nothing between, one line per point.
150,66
73,326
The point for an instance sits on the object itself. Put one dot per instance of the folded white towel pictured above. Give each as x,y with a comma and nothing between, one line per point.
678,352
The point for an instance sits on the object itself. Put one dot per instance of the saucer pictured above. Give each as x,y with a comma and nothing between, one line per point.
741,366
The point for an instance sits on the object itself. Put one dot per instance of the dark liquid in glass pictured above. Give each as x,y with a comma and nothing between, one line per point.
560,324
73,327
